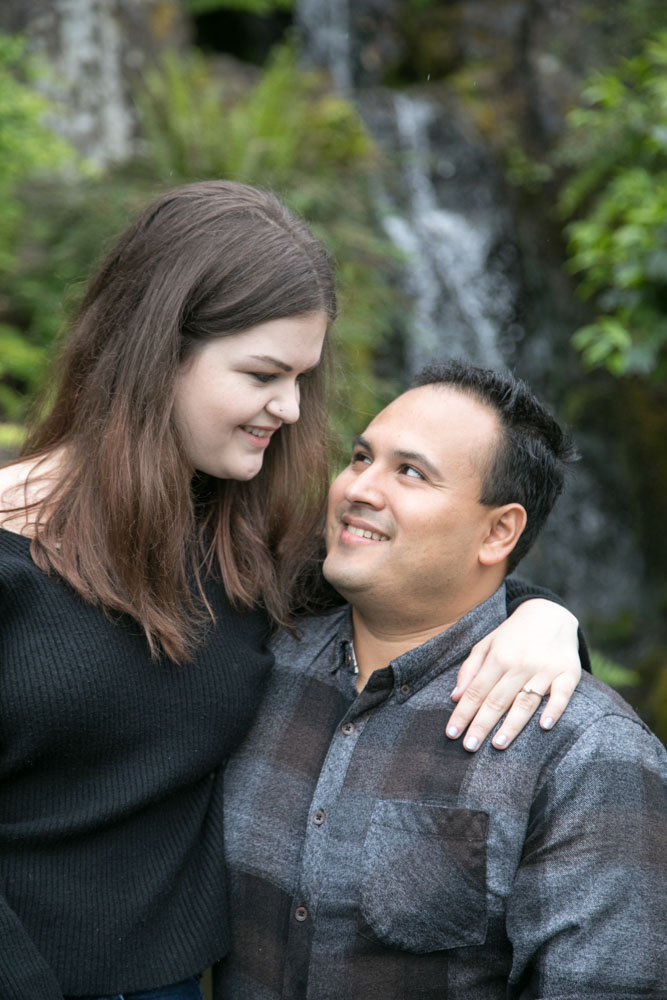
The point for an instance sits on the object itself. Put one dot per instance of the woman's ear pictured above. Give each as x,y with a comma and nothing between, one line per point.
505,527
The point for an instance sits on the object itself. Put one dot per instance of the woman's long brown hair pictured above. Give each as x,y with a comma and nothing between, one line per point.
124,524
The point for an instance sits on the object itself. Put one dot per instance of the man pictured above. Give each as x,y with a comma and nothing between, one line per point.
368,857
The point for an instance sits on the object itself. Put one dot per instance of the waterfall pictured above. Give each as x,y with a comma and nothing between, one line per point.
325,25
463,302
459,304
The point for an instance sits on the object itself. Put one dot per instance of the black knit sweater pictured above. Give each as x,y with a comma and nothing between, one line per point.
111,848
111,862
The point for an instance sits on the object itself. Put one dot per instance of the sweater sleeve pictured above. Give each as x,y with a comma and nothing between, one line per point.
519,591
24,972
588,908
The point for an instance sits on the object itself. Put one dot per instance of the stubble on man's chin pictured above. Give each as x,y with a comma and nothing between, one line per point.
343,582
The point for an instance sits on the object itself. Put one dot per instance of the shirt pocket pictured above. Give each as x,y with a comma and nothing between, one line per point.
423,877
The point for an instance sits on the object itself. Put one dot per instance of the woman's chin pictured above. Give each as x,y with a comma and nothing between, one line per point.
243,471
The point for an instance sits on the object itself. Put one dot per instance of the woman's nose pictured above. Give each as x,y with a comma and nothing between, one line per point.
285,405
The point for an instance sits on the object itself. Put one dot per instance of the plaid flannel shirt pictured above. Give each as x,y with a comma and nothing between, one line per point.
370,857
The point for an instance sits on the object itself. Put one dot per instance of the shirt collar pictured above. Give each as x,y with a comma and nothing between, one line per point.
416,668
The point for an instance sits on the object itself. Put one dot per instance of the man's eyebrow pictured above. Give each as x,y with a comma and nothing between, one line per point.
420,459
404,456
267,359
361,442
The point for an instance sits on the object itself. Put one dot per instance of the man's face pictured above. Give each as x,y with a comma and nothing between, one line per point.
404,522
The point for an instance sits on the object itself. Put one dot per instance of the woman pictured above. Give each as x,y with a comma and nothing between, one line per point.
164,517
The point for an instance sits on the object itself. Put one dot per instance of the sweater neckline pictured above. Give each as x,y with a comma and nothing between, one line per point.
8,535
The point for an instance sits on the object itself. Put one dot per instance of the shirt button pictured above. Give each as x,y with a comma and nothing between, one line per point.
318,817
405,689
301,914
348,728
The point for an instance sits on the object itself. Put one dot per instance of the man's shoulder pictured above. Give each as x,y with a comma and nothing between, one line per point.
598,719
594,699
311,636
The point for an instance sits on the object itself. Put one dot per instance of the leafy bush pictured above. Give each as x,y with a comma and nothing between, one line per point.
260,7
616,144
28,148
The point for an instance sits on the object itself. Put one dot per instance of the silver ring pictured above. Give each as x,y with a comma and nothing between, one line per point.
529,690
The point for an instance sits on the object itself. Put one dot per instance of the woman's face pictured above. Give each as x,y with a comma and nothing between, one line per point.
235,392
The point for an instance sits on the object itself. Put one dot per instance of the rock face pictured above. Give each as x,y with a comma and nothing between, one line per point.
96,47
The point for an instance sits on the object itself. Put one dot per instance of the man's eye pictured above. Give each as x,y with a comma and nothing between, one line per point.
411,472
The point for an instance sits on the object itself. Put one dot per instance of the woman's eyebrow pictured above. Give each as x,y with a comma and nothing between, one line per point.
267,359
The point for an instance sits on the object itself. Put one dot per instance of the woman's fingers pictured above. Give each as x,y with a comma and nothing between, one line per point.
470,667
511,670
484,700
562,689
522,707
528,702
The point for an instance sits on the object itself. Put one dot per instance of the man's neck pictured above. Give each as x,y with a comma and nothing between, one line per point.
376,645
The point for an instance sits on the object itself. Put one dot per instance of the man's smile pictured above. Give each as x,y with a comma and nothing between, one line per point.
361,529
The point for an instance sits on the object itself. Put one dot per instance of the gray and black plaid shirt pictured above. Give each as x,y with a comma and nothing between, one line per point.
373,859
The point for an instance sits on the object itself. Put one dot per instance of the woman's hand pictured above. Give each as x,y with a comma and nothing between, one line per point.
533,652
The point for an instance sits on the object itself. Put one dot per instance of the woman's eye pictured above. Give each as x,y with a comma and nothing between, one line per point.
411,472
262,377
359,456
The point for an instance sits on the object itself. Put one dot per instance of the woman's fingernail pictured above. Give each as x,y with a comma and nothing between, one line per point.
471,743
453,732
455,692
548,723
500,740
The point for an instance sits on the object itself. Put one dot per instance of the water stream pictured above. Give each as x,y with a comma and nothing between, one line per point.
463,301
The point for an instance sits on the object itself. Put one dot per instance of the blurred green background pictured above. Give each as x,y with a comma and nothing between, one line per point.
529,137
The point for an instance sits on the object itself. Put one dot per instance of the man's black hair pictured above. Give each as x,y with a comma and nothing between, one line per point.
530,463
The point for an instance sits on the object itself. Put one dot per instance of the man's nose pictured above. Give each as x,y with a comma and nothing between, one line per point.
365,487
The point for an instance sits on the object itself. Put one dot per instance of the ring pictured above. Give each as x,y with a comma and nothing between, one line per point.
529,690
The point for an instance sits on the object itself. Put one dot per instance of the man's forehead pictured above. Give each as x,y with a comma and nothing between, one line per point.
440,406
438,423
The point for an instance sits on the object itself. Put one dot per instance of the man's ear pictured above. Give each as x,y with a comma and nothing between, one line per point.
505,526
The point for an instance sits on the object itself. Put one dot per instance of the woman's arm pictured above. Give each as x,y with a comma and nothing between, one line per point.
537,648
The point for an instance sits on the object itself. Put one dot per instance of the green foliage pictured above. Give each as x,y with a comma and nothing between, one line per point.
286,125
616,144
261,7
28,147
11,437
524,172
287,131
613,673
